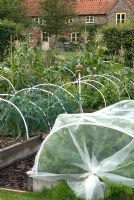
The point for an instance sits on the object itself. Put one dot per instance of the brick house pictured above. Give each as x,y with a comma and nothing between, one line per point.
35,35
88,11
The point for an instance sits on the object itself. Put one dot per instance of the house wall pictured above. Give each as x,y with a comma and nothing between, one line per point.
81,20
36,36
98,19
120,7
66,36
36,39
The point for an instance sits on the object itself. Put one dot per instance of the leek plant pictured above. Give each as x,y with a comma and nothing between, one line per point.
45,84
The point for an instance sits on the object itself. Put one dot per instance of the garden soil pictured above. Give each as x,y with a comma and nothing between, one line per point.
8,141
14,176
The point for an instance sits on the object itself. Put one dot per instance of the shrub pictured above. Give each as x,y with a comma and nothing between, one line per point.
9,31
118,191
121,37
27,67
113,192
60,192
107,71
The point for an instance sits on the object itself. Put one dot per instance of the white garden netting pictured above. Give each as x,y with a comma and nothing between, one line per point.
85,148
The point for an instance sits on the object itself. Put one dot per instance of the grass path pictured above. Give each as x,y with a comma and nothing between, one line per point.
60,192
10,195
71,55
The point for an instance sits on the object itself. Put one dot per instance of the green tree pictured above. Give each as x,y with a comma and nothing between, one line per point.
120,41
13,22
14,10
56,14
9,31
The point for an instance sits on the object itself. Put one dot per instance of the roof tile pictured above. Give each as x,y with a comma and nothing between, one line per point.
85,7
33,7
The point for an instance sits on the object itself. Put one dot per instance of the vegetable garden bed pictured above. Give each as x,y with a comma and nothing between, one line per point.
19,151
14,176
16,158
6,141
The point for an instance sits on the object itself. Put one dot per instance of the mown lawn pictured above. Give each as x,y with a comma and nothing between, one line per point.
8,195
60,192
69,55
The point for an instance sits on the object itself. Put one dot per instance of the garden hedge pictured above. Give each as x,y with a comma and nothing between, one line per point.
8,29
119,37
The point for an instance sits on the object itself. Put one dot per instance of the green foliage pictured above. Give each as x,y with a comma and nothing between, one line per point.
114,191
14,10
40,109
118,191
56,14
13,19
10,195
9,31
108,71
25,68
63,192
120,38
81,28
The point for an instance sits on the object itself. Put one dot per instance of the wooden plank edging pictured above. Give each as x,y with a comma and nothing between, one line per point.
19,151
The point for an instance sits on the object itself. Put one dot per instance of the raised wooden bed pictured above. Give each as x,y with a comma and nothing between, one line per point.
19,151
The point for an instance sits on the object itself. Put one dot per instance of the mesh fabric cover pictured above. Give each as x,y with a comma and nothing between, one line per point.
85,148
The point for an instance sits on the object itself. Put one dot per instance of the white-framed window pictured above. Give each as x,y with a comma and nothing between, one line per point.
120,17
39,20
45,37
74,37
89,19
70,20
30,37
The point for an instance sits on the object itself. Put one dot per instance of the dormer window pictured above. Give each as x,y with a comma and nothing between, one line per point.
39,20
30,37
120,17
70,20
90,19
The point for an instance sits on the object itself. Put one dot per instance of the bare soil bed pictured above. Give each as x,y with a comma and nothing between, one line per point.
15,176
6,141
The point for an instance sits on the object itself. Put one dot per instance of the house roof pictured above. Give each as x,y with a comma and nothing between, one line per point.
33,7
130,4
85,7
